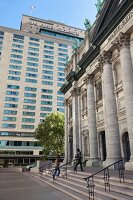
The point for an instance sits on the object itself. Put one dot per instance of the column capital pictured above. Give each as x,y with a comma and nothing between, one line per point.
106,57
89,78
122,40
76,91
66,102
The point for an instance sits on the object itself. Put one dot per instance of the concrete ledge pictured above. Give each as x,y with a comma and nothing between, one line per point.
11,170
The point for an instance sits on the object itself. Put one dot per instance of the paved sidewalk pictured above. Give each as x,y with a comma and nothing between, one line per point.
18,186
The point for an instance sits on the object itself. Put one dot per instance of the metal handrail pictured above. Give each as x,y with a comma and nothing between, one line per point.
42,167
90,179
64,165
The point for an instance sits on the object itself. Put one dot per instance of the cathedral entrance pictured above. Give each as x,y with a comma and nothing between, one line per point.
102,146
126,146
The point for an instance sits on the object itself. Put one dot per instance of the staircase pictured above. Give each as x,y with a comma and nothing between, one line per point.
76,187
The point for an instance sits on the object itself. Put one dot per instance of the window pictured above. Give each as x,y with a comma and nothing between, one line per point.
30,89
8,105
5,125
29,101
17,50
48,57
18,36
62,59
31,69
63,50
10,112
63,45
28,107
16,56
28,120
59,92
11,99
33,54
63,54
30,80
15,61
61,69
46,108
46,96
48,52
34,39
13,119
33,49
47,83
61,74
12,93
18,46
29,95
34,44
61,64
48,61
13,87
14,78
60,98
48,42
18,41
43,114
25,113
48,47
60,104
47,91
32,64
33,59
47,77
47,72
46,102
61,110
32,75
15,67
61,79
59,84
14,72
1,33
48,67
27,126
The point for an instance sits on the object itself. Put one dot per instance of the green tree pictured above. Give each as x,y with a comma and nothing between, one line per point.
50,134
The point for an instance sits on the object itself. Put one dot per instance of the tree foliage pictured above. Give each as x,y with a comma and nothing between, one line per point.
50,134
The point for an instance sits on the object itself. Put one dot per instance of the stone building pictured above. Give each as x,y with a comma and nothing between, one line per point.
99,89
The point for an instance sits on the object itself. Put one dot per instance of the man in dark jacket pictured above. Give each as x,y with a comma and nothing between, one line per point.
78,157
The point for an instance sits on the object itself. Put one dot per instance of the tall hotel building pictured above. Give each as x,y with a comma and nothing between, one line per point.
32,62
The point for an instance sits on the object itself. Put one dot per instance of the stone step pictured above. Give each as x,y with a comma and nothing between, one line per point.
76,186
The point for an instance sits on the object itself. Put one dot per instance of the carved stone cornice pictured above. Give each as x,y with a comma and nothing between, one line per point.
76,91
122,40
106,57
89,78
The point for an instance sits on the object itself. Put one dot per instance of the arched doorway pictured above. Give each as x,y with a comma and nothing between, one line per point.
126,146
102,146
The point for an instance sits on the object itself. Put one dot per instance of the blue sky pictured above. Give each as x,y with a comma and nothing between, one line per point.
70,12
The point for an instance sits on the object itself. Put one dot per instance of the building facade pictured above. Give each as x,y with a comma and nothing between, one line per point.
32,62
99,89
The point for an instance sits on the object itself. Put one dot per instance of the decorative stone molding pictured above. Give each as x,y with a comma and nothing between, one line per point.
106,57
122,40
89,78
76,91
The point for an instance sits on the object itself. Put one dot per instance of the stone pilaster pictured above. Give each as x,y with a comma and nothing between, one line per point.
131,47
93,161
111,122
127,78
66,130
75,109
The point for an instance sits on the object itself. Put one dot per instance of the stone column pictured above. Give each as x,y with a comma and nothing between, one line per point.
75,111
131,47
93,161
66,130
127,78
79,118
111,122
